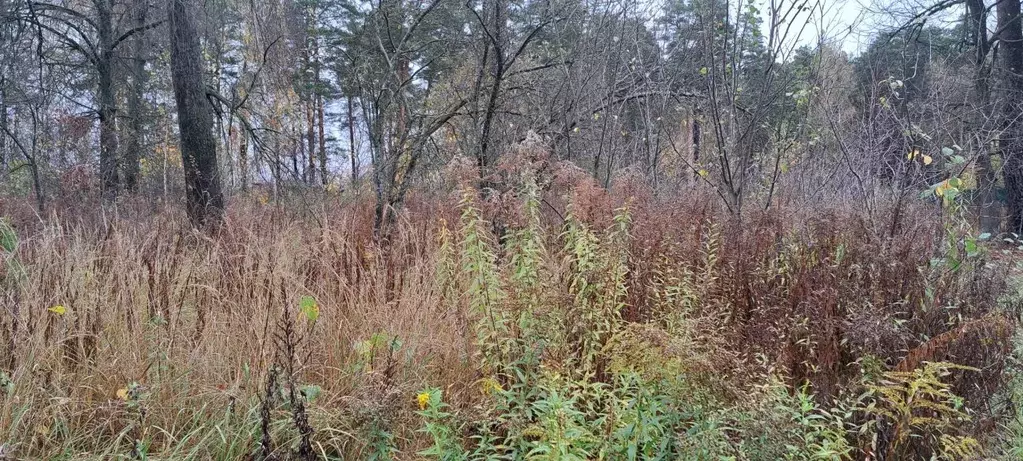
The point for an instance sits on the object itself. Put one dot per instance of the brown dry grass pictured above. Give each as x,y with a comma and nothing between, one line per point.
191,317
186,315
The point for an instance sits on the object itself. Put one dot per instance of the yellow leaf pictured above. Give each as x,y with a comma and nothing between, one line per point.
928,159
122,393
58,309
42,430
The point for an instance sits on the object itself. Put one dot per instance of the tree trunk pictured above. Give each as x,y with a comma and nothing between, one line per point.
243,157
311,140
497,16
4,155
1011,52
351,140
133,150
205,200
988,211
695,141
107,103
323,141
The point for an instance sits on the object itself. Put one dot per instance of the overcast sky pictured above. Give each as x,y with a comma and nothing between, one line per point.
841,21
852,24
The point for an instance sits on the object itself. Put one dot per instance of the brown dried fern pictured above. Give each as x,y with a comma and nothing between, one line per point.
994,327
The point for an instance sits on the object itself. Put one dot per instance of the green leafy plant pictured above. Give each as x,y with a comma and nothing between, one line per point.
917,405
436,423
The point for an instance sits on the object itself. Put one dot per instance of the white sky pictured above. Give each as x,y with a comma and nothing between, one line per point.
852,24
846,22
840,21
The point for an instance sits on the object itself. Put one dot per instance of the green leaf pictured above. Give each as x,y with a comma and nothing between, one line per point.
8,238
971,247
984,236
311,392
309,307
947,151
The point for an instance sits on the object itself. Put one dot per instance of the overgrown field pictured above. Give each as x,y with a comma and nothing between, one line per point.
550,321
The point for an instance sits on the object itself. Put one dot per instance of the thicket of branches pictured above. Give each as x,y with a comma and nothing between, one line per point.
755,101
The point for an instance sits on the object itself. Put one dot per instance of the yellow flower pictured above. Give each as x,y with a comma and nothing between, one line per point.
489,386
424,399
533,432
122,393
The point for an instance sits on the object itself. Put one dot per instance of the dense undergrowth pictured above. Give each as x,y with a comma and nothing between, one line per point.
549,320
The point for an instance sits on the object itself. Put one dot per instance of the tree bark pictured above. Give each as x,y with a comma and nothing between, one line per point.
497,17
323,140
243,158
204,198
1011,52
988,211
132,151
4,155
107,103
310,172
351,140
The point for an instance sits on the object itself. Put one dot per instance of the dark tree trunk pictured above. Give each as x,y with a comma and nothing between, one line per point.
243,157
1011,54
4,155
133,149
107,133
323,141
107,103
988,211
497,16
205,200
696,141
351,140
311,140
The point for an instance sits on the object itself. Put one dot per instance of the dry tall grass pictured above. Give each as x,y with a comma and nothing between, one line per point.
191,318
167,335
